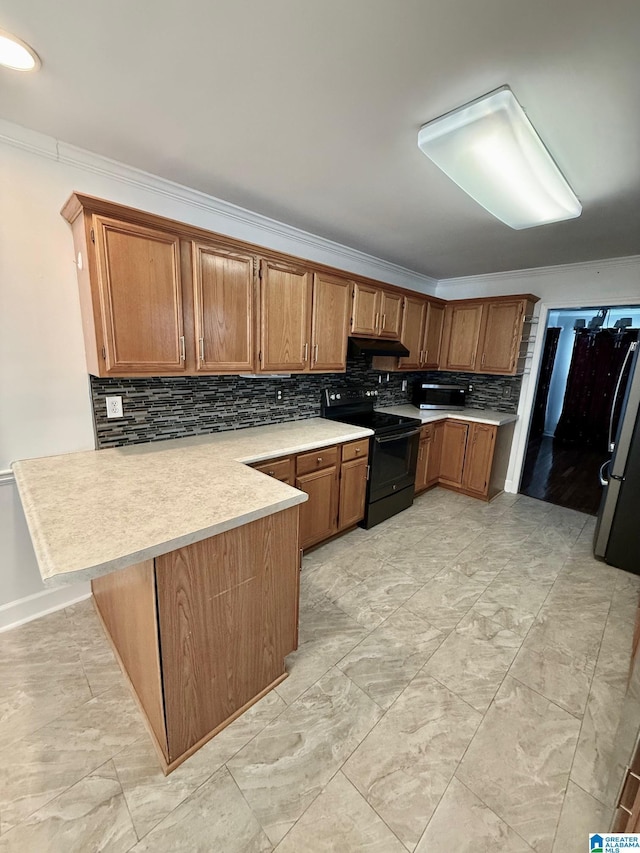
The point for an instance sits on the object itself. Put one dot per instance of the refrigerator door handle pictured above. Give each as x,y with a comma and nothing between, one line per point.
631,349
603,467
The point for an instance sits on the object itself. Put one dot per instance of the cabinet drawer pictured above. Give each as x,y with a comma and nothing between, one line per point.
317,459
426,433
281,469
355,450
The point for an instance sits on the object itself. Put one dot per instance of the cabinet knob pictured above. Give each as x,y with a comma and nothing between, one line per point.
319,459
357,450
272,473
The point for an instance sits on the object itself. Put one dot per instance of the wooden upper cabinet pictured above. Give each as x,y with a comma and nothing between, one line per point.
502,334
390,323
140,293
366,310
454,445
479,457
461,336
224,318
412,332
285,317
330,323
432,336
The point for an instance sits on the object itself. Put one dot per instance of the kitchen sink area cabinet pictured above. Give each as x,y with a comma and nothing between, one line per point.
285,317
223,309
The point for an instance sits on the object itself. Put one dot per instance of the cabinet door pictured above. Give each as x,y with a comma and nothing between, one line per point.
454,442
285,302
141,298
435,454
353,490
318,515
390,323
462,332
413,318
223,283
424,449
365,317
502,334
432,336
330,323
477,466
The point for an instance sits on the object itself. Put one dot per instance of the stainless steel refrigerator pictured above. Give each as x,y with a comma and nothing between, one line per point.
617,536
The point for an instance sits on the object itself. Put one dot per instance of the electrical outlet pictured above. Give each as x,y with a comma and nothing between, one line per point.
279,398
404,384
506,391
114,407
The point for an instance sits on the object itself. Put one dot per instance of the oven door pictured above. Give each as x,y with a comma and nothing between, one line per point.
393,463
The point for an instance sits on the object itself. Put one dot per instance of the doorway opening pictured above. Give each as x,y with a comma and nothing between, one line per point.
573,413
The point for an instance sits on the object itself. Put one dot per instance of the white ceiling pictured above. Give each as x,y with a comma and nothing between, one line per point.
309,112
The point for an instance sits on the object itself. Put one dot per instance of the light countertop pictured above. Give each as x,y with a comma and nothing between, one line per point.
93,512
427,416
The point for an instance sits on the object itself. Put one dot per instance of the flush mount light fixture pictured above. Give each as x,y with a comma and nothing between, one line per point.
16,54
493,152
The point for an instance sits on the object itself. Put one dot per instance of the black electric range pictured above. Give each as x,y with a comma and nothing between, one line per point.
393,453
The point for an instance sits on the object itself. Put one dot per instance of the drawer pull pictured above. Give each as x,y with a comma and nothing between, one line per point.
357,450
272,473
319,459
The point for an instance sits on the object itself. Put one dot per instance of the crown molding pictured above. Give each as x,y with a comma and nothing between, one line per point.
299,242
606,263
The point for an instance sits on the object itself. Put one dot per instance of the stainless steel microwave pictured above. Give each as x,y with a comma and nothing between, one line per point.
428,395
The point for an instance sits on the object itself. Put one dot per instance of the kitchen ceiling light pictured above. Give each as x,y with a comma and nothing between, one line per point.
493,152
16,54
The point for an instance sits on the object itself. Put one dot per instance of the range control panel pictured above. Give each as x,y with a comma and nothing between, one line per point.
344,396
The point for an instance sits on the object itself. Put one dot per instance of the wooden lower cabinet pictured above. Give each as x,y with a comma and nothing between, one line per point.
479,456
318,515
454,445
465,456
202,632
353,492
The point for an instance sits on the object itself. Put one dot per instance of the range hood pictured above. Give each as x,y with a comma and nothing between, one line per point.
377,346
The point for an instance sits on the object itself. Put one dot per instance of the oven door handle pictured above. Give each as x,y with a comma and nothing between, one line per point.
397,437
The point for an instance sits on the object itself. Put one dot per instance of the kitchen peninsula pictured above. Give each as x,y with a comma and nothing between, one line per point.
194,563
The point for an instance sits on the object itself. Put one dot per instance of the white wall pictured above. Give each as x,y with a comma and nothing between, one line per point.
609,282
45,405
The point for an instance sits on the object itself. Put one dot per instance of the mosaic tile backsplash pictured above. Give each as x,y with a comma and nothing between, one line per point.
158,408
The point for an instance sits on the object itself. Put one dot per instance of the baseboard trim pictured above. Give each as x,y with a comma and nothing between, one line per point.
32,607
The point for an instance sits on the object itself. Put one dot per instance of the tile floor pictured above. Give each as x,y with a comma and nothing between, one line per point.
457,686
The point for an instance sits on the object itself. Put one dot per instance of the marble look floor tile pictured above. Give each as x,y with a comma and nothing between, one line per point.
386,661
444,600
577,632
340,821
615,652
473,567
45,640
331,580
151,795
36,769
404,766
581,815
594,754
326,627
215,818
33,694
466,825
91,815
559,676
286,766
519,762
377,597
415,564
513,601
474,659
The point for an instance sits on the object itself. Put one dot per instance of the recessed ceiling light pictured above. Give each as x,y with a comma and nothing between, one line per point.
493,152
16,54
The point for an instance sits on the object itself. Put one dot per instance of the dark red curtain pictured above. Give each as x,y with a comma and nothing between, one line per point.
544,381
595,366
